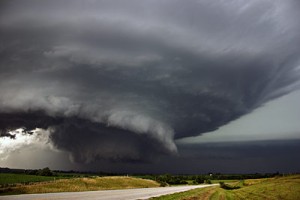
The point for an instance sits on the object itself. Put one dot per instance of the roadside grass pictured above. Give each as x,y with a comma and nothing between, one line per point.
80,184
191,194
279,188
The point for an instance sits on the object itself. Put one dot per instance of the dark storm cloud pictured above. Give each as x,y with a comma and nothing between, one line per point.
122,79
229,157
243,157
102,142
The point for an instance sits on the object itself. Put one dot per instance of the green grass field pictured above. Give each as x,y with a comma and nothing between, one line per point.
80,184
6,179
269,188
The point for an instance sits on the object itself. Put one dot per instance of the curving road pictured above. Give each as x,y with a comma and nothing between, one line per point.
128,194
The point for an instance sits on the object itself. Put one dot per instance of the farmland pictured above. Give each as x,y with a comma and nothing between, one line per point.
232,186
265,188
79,184
10,179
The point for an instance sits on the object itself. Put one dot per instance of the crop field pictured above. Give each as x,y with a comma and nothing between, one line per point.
9,179
269,188
80,184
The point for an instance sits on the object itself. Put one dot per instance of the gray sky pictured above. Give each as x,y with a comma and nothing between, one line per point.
132,85
277,120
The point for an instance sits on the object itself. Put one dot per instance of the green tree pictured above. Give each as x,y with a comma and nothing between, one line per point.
45,172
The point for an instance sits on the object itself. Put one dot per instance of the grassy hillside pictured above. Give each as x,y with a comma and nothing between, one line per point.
270,188
80,184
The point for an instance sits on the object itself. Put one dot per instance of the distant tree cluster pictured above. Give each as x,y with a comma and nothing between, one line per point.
168,179
40,172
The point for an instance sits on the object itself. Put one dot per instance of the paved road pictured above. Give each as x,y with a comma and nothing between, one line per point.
128,194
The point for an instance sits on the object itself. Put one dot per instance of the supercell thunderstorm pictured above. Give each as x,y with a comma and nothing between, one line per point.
122,80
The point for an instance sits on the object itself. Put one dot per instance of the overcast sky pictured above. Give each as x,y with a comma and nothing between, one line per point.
149,86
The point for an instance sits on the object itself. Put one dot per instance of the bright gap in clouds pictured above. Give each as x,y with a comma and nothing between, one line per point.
20,140
277,120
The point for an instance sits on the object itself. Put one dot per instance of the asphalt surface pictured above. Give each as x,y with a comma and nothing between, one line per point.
127,194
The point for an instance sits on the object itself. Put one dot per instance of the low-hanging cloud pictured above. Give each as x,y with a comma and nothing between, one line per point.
120,80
